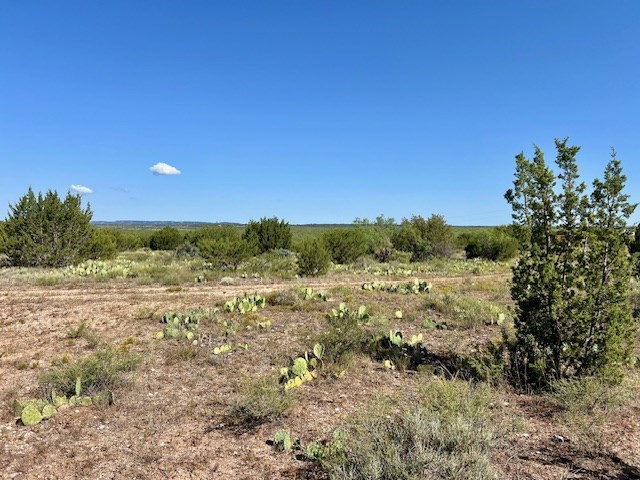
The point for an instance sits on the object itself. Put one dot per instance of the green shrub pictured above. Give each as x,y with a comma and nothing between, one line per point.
268,234
449,436
187,250
224,246
260,400
344,337
495,245
130,241
377,234
101,371
46,231
424,238
167,238
313,258
103,244
345,245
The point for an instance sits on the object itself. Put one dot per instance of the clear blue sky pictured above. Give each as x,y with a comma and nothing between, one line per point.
313,111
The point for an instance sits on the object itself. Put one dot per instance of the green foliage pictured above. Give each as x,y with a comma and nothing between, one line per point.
416,286
449,436
345,335
268,234
397,353
97,268
3,239
245,304
101,371
331,451
103,244
302,369
46,231
571,284
283,441
494,245
167,238
313,258
345,245
468,311
183,325
377,235
224,246
260,400
424,238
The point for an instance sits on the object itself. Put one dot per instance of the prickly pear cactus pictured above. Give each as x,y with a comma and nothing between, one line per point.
30,415
48,411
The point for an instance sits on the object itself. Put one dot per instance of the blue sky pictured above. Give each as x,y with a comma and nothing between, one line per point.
312,111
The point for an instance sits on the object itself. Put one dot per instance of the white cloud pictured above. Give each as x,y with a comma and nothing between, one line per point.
164,169
81,189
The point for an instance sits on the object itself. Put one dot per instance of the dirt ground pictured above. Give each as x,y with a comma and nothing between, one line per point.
171,420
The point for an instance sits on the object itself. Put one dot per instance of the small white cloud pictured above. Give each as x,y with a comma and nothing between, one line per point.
164,169
81,189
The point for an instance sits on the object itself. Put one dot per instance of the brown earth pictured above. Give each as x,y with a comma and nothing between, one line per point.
171,420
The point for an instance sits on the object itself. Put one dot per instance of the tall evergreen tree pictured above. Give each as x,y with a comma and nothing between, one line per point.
571,283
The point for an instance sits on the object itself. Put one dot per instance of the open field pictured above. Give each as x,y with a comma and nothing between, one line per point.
176,416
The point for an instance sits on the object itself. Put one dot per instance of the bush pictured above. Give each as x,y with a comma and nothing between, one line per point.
424,238
345,245
268,234
224,245
45,231
129,241
450,436
260,400
313,258
103,244
495,245
378,233
101,371
167,238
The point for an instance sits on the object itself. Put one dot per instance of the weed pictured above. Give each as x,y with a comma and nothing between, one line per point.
587,405
260,400
449,436
101,371
469,312
85,332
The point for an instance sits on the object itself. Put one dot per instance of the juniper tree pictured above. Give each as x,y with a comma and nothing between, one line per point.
570,284
46,231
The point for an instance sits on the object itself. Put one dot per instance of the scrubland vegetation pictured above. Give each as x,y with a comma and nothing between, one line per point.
381,350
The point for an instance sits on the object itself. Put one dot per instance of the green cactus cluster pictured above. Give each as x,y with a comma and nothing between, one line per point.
245,304
228,347
33,411
303,368
395,352
309,293
343,312
413,287
98,268
284,442
183,325
332,449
